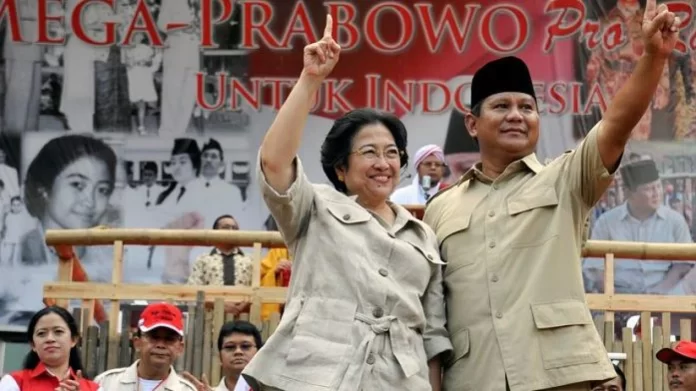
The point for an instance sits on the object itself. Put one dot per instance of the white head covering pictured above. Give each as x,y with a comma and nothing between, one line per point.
425,151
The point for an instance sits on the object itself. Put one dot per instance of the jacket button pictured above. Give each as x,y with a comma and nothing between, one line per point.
378,312
495,278
430,257
370,359
346,216
499,315
383,272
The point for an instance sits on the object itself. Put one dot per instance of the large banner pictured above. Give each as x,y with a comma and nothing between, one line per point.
150,113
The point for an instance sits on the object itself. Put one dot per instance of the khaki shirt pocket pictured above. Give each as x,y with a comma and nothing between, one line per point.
564,330
322,341
452,249
460,344
532,216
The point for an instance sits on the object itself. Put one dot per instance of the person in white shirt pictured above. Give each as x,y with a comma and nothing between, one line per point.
237,344
214,189
430,168
160,341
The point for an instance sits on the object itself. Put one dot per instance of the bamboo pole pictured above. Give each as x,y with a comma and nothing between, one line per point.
162,237
187,237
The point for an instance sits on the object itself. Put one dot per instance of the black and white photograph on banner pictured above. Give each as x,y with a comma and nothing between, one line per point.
70,181
183,183
133,89
12,211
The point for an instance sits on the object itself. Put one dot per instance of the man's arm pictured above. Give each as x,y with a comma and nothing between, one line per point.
633,99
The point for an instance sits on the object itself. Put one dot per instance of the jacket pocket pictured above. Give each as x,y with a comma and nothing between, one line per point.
460,346
565,331
322,341
348,214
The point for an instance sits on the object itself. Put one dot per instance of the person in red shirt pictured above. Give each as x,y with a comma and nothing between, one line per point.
54,361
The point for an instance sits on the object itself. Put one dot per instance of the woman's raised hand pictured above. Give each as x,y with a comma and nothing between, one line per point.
321,57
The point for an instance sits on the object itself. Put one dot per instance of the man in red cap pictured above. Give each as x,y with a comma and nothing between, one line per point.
681,365
160,341
511,230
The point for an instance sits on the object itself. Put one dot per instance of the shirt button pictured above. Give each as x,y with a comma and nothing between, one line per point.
495,278
346,216
491,244
383,272
495,186
430,257
378,312
491,213
370,359
498,314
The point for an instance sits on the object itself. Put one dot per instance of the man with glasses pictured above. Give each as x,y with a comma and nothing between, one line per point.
237,344
225,264
160,341
430,168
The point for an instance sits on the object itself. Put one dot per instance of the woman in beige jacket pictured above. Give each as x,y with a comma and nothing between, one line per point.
365,305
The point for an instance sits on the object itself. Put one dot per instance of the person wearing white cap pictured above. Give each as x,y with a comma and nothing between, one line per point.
430,168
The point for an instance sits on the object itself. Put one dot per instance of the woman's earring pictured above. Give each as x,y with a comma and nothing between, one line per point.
340,178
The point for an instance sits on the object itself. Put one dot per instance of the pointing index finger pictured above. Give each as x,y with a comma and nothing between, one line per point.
650,8
328,30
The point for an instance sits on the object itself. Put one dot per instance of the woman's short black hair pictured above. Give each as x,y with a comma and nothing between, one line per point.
338,143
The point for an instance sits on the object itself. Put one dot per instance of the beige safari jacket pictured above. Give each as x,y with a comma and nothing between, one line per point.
365,308
126,379
515,298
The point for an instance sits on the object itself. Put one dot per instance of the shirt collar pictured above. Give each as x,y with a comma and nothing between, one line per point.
222,386
530,161
130,376
234,252
42,370
625,214
403,216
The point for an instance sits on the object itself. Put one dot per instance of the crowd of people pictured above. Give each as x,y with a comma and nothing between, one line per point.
54,361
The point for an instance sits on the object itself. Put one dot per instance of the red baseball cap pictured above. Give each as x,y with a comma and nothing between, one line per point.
683,350
161,315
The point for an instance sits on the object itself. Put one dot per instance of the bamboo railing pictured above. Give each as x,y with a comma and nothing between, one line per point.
107,344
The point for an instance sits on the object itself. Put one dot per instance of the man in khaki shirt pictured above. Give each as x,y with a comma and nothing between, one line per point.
510,231
160,341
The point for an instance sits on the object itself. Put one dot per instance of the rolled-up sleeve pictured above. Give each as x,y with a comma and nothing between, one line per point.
585,171
435,337
291,210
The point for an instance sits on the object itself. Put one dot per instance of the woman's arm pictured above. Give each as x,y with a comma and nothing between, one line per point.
286,190
282,141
